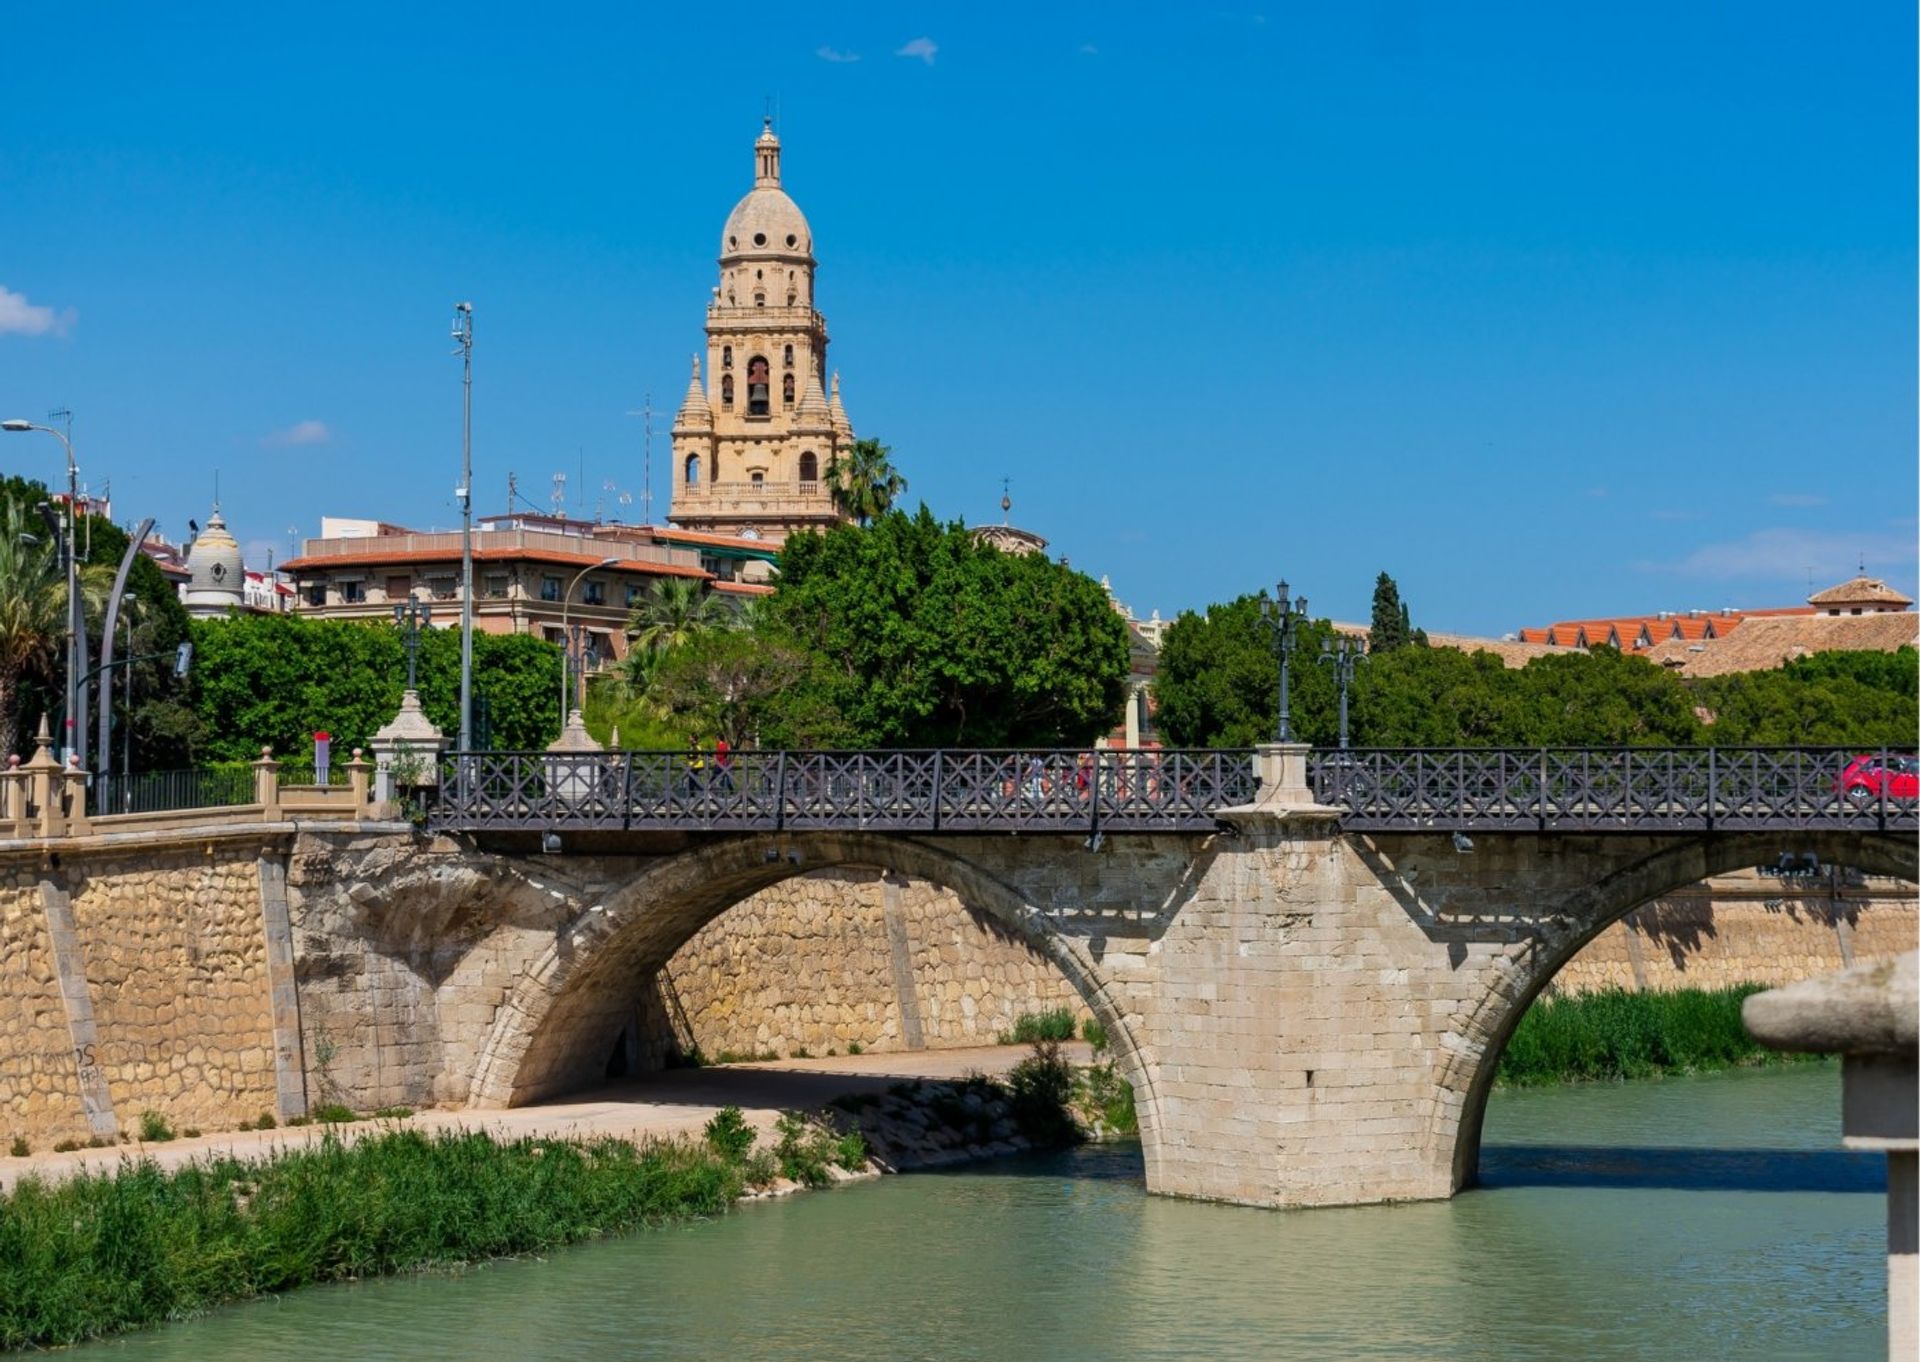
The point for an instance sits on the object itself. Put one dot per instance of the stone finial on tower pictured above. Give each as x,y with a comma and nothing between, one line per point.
812,414
766,158
695,413
842,427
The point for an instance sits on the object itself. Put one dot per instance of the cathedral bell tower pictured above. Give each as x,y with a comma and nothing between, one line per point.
751,445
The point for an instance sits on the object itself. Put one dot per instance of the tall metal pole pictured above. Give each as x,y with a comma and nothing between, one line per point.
566,638
463,332
1284,615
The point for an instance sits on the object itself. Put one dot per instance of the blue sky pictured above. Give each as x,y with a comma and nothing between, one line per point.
1548,311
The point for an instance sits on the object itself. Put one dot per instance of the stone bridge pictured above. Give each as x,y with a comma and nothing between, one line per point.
1309,1015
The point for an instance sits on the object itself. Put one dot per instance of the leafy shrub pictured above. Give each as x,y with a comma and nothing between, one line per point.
67,1146
20,1148
154,1128
854,1047
1042,1088
333,1114
1029,1027
265,1122
1108,1098
728,1134
1094,1034
850,1151
803,1149
393,1113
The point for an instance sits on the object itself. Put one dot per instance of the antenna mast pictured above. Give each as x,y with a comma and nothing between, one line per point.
646,459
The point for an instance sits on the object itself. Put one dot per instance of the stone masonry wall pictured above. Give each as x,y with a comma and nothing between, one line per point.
133,983
1740,929
846,957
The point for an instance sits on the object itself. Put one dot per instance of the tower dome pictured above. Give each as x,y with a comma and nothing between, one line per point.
766,223
218,577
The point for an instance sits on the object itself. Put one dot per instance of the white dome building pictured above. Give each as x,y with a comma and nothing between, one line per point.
217,579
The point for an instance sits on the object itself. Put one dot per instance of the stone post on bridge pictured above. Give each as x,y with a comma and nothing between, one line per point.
13,798
406,751
1281,770
266,785
43,784
1871,1015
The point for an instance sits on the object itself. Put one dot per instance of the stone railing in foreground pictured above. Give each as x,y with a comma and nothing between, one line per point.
41,799
1870,1015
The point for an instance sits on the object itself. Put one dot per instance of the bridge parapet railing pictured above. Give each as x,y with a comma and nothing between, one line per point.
1621,789
932,790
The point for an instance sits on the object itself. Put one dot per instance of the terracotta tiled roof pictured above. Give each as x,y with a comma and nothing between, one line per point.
724,541
1861,590
348,561
742,588
1770,640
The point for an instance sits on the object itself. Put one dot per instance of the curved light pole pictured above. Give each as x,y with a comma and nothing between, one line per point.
1344,656
73,582
566,639
1283,618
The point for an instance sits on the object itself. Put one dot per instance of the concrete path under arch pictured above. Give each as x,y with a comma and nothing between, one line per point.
674,1102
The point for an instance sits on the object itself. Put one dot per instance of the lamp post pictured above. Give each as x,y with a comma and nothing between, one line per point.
1344,655
566,638
463,333
1283,617
71,730
411,615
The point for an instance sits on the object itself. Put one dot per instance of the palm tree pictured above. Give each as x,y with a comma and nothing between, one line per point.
33,613
673,611
865,483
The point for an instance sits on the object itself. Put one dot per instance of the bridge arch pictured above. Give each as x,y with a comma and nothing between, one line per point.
565,1011
1469,1054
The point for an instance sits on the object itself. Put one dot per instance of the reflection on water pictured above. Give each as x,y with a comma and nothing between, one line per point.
1691,1218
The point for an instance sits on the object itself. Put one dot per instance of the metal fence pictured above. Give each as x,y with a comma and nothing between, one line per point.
164,791
1617,789
904,791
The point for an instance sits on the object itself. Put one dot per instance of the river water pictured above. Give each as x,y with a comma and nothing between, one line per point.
1693,1218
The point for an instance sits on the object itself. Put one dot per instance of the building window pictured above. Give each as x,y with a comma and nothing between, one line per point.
634,593
759,478
496,584
596,593
317,593
726,392
398,588
549,588
789,356
440,588
726,357
758,399
809,467
791,298
693,470
786,390
353,592
759,300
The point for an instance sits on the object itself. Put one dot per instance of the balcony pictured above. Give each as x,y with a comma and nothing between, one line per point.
754,498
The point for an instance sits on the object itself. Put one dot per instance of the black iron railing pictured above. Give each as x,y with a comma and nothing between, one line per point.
918,791
163,791
1617,789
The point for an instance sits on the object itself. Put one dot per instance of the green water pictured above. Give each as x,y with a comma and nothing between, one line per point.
1698,1218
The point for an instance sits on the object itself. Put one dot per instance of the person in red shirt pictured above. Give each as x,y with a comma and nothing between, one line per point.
723,764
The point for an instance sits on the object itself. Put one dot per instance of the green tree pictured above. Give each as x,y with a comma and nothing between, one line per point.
864,482
1391,626
757,688
933,639
274,680
1218,683
672,611
33,613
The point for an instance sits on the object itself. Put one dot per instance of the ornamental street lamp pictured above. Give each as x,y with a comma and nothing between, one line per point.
1344,656
411,615
1283,617
71,728
566,638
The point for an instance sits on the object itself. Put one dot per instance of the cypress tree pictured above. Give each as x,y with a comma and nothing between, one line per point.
1389,628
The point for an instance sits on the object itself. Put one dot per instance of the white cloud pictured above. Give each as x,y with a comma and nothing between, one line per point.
923,48
29,319
1789,554
834,54
300,433
1797,499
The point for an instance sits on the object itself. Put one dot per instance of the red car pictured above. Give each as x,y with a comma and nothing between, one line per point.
1867,778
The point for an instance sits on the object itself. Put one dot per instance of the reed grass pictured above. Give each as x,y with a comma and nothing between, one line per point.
100,1253
1616,1034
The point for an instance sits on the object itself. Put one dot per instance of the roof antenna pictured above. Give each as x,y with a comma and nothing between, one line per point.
646,489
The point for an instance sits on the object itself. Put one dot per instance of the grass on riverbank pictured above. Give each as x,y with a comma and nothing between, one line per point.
1615,1034
101,1253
